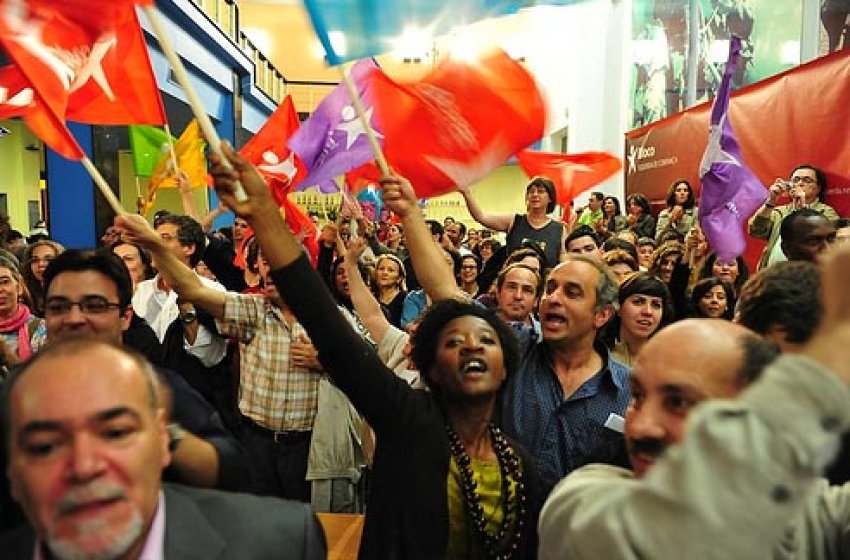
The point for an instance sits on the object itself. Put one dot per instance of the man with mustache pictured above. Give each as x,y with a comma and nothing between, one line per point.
87,441
738,476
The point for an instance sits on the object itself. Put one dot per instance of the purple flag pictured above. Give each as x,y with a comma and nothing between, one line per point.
730,191
332,141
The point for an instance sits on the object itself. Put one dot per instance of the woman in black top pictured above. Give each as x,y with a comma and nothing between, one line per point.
435,450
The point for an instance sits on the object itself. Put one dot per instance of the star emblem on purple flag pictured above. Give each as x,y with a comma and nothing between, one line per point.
333,141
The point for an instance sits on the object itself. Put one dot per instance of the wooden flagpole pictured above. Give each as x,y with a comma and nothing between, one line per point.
172,150
380,159
192,95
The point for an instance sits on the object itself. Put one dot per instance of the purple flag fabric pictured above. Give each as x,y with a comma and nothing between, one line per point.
730,191
332,141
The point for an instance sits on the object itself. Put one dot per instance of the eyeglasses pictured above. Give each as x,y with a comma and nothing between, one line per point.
803,179
91,305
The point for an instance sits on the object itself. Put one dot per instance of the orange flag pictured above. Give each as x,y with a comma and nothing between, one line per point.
191,159
572,173
464,119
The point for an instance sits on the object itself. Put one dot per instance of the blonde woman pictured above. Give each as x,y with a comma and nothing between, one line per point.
389,286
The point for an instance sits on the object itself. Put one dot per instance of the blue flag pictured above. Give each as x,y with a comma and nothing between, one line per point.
352,29
730,191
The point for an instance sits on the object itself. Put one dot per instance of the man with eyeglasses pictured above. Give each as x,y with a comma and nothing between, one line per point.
88,293
805,189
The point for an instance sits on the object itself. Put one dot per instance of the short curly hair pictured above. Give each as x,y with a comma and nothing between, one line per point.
434,320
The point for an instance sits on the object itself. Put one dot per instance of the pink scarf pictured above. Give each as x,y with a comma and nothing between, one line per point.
19,321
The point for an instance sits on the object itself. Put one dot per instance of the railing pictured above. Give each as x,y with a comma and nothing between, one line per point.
266,76
225,13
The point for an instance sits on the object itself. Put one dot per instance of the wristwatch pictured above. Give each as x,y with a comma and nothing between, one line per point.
188,316
176,433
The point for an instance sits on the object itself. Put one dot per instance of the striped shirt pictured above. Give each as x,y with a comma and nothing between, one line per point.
272,392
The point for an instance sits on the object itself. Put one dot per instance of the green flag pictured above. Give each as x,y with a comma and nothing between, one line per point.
148,144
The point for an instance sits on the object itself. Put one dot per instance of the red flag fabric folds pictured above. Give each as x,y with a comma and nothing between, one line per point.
86,59
572,173
19,99
460,122
302,227
269,152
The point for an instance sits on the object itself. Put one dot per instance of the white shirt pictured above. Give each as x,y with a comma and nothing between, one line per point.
159,309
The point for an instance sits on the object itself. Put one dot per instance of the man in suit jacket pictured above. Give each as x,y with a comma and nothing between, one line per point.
87,441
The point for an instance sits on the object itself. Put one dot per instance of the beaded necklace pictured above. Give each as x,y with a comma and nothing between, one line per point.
502,545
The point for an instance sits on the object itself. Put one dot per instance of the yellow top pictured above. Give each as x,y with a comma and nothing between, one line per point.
463,542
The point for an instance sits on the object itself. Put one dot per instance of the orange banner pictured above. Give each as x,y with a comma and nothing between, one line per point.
796,117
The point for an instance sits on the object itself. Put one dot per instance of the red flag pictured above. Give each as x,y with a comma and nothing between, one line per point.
282,169
302,227
19,99
572,173
87,59
126,67
361,177
464,120
269,152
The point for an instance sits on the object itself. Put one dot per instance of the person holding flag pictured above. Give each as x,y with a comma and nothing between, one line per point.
447,483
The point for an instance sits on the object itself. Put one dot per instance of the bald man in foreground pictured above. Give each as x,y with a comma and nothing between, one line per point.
87,441
737,476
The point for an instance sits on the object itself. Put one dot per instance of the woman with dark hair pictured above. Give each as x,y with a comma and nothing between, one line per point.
639,216
470,268
137,259
612,220
665,259
681,212
36,258
535,224
734,272
486,249
645,307
713,298
446,482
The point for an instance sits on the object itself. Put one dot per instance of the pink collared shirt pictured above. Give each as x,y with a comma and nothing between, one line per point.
154,548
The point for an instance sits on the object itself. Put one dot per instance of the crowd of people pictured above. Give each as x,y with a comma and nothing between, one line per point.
597,387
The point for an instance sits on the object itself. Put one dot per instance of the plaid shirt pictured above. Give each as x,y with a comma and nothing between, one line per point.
272,392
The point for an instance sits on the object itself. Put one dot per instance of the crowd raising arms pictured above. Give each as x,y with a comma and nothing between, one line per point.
434,448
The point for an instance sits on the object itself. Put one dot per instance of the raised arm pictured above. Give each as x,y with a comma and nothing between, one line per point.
365,304
208,219
433,273
186,196
498,222
181,278
384,399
